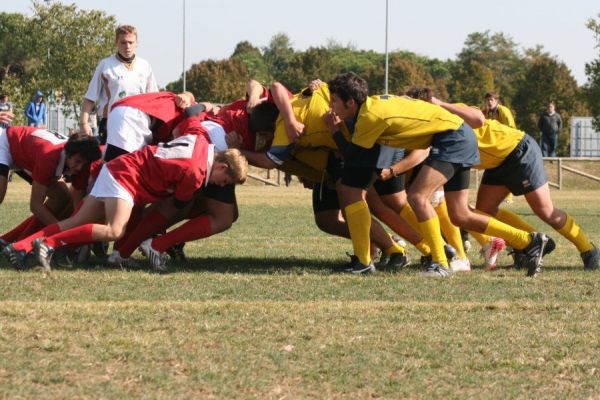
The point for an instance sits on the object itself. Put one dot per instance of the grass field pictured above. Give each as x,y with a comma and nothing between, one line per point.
257,314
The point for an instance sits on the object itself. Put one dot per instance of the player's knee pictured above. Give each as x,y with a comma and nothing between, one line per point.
417,200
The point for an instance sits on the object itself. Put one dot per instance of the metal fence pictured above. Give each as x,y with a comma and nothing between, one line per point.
585,140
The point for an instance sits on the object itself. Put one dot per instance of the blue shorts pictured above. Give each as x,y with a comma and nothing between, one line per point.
455,147
522,171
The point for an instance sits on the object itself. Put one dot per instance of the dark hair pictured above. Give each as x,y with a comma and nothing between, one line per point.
3,95
492,95
263,117
84,145
420,93
349,86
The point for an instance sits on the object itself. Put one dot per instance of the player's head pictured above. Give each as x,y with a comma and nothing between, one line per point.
126,40
491,99
229,167
263,117
420,93
348,92
81,150
261,122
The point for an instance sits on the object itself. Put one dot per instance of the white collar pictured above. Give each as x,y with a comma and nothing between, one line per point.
210,159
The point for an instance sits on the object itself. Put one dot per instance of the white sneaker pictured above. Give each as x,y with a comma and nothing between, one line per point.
490,252
158,261
460,265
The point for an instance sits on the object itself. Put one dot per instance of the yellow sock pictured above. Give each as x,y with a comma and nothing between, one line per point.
423,247
409,216
481,238
358,218
450,231
431,232
575,235
515,238
395,248
512,219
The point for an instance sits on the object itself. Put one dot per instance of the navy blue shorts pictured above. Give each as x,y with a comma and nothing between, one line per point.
455,147
324,198
224,194
522,171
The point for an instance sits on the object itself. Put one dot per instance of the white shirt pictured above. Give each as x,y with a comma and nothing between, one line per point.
112,81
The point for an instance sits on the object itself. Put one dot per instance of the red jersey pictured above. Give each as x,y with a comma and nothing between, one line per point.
159,105
234,117
38,151
178,168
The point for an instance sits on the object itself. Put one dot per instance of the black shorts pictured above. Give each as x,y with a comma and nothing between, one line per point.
391,186
324,198
458,176
522,171
359,177
224,194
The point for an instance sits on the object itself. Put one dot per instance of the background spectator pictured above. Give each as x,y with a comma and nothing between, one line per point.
5,105
494,110
549,124
36,111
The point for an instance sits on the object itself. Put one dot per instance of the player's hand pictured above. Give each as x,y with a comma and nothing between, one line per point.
86,129
184,100
435,100
386,174
332,120
314,85
234,140
252,103
6,117
294,130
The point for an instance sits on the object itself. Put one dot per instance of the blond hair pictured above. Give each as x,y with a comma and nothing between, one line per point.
124,30
237,165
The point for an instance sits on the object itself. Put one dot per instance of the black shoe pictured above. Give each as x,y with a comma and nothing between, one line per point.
450,252
176,252
436,270
395,261
591,259
16,258
355,267
100,249
425,261
534,252
3,244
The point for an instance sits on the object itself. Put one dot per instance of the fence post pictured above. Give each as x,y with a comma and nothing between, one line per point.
559,177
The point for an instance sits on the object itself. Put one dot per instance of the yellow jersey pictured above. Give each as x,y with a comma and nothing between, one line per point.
401,122
496,141
503,115
308,110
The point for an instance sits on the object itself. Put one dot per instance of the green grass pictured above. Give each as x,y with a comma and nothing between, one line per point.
255,313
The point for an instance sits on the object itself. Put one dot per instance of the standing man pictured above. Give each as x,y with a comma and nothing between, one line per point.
549,125
120,75
494,110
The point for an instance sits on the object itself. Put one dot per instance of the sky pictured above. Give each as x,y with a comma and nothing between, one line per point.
431,28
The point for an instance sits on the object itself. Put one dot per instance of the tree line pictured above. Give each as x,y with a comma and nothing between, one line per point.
57,49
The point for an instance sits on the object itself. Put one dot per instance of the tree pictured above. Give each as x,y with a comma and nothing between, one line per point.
69,43
546,79
592,71
278,54
253,60
216,81
486,62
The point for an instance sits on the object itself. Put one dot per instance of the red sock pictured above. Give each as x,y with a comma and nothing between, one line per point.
34,226
25,244
75,236
152,223
16,232
196,228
